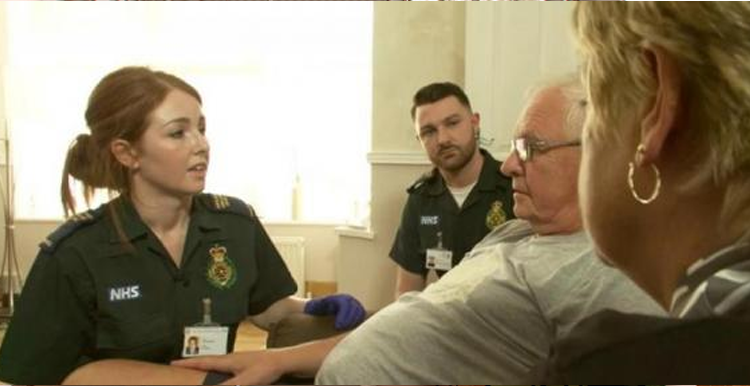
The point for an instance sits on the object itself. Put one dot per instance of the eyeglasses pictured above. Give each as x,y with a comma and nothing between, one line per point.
526,147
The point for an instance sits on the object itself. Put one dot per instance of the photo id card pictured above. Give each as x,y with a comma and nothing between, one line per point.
205,340
440,259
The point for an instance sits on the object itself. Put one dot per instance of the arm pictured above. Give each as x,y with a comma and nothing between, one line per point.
407,281
407,253
35,351
277,311
276,283
265,367
130,372
249,367
348,311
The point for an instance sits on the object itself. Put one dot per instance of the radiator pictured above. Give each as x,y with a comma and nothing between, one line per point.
292,250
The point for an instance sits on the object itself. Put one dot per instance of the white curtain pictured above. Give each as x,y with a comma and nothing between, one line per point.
287,91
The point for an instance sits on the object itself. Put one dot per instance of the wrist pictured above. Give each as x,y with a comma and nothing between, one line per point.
280,362
302,360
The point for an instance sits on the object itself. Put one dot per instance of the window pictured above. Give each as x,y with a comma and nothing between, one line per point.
287,91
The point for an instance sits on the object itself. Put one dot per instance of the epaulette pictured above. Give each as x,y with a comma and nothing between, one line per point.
69,227
227,204
420,182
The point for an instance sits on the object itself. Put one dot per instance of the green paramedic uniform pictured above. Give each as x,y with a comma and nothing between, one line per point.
431,208
89,296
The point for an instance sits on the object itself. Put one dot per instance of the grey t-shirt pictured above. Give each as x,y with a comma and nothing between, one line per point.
490,319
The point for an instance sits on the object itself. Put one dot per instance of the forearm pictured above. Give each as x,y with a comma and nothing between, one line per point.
130,372
407,281
278,311
267,366
304,360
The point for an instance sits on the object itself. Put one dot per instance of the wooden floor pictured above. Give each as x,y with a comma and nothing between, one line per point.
250,337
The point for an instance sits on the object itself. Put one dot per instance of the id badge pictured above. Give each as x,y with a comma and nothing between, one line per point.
439,259
205,340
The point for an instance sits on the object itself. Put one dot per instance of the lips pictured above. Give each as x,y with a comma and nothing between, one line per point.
199,167
519,191
447,151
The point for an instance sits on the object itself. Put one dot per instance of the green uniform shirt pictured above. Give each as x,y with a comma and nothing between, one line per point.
431,208
89,296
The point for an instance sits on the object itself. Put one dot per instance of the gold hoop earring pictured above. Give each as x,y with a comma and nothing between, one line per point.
631,172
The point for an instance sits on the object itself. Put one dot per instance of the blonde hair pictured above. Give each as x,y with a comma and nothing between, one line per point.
709,42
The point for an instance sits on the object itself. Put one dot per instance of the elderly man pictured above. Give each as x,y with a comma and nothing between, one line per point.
494,316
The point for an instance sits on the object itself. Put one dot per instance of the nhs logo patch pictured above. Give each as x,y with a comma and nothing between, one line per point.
429,220
125,293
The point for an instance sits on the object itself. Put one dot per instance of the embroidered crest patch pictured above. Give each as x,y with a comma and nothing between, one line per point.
221,272
495,216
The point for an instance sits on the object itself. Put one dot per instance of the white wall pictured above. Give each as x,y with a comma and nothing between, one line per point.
415,43
509,47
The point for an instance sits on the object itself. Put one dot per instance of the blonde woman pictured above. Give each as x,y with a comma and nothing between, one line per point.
665,188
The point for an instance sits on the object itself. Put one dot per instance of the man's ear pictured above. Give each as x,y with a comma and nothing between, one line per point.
125,153
475,124
663,113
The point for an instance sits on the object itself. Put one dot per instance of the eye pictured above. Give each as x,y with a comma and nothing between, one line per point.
177,134
427,133
454,122
202,126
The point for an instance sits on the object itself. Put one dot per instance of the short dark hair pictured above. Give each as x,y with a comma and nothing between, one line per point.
434,92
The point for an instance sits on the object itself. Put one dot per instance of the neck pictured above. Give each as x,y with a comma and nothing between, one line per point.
163,214
467,175
566,221
680,231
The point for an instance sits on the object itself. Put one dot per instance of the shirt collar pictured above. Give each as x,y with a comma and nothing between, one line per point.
705,285
130,221
202,217
134,228
488,176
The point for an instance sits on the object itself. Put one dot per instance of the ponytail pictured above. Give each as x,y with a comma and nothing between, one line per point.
88,163
84,163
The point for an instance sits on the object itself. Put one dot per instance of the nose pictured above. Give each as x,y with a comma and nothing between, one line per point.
442,135
202,145
512,165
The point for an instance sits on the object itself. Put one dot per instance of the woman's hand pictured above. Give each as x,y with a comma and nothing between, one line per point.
248,367
267,366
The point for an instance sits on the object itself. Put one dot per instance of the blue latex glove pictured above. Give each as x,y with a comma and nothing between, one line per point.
348,310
